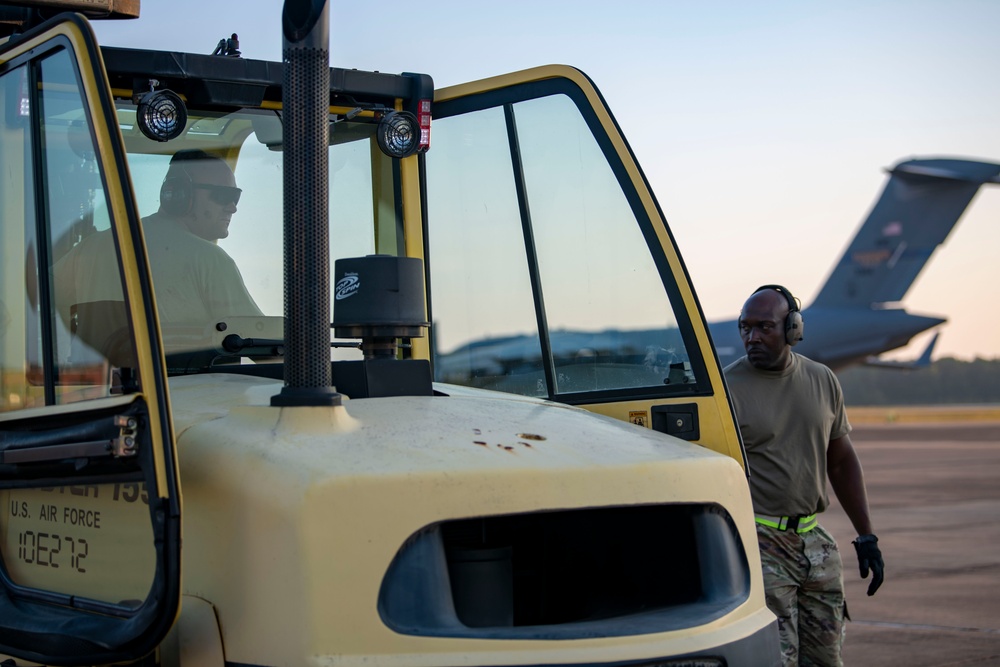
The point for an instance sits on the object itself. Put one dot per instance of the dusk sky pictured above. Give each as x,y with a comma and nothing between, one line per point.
763,128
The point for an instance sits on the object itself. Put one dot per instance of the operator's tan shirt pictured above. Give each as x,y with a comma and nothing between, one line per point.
787,419
195,280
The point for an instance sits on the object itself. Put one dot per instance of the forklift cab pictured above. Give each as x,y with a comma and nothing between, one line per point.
549,412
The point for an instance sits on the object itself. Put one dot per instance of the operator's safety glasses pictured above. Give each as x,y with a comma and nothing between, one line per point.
223,195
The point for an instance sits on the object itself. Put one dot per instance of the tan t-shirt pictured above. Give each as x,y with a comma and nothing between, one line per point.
195,280
787,419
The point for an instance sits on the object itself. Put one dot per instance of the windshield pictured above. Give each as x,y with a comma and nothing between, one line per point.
212,209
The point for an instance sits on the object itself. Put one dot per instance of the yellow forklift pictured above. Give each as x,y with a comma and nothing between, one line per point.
426,364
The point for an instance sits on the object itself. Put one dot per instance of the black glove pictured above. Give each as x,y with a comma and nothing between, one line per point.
869,556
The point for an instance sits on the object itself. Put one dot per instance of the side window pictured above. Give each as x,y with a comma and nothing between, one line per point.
611,325
542,280
486,330
64,335
21,367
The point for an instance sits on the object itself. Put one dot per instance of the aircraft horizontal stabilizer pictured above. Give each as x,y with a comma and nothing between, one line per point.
977,172
923,361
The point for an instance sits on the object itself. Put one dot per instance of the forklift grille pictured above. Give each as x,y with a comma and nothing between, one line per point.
570,574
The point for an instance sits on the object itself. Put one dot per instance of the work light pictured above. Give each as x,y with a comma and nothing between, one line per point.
161,115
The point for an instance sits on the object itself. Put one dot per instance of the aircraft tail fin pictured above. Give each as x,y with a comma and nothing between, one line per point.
918,208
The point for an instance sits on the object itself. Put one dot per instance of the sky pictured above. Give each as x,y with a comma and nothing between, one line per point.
764,128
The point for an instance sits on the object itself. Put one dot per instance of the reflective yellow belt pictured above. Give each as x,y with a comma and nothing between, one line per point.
800,524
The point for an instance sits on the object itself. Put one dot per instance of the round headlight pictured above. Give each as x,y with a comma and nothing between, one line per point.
398,134
161,115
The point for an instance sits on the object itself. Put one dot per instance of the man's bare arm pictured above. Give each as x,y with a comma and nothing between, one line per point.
848,482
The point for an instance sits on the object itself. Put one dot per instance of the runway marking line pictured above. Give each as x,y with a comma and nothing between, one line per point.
921,626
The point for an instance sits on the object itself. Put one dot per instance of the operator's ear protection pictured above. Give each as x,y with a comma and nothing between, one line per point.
793,321
176,192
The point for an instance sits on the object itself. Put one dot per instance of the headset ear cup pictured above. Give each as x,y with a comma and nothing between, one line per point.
175,195
793,327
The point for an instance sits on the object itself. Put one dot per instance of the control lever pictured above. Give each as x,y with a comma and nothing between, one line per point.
235,343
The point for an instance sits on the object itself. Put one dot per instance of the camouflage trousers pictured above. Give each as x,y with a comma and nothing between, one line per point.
804,585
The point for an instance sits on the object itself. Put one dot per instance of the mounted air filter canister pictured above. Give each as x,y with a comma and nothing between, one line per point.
378,299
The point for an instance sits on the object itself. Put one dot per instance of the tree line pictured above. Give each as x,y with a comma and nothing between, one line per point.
945,381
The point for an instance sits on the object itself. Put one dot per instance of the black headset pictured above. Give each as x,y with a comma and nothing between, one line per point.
176,192
794,325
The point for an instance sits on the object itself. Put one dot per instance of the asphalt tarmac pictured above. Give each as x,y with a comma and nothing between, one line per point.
934,492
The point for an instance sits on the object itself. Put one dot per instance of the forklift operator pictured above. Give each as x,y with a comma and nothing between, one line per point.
195,280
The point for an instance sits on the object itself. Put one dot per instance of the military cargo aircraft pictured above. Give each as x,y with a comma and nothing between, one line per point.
855,317
857,314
